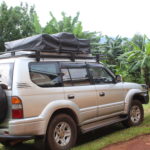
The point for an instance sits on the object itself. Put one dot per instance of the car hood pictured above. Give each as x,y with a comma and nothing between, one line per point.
130,85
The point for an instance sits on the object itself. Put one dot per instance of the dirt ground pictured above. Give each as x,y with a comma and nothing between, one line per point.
138,143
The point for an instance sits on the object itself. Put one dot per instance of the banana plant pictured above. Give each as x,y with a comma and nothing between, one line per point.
137,60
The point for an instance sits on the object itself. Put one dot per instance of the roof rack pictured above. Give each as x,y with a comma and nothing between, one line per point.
47,54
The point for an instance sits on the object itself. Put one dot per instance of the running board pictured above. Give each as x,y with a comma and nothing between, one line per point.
101,123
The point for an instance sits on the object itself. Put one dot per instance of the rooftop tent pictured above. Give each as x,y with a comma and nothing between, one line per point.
61,42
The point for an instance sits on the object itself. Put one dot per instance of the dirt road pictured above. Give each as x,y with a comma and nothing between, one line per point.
138,143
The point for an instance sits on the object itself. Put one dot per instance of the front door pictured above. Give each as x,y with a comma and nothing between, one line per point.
110,94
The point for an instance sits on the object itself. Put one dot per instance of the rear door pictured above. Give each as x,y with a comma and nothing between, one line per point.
110,94
78,89
37,85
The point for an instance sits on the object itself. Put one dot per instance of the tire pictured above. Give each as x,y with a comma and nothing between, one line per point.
55,138
3,105
135,115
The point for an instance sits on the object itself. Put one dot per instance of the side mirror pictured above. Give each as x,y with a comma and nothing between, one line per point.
119,78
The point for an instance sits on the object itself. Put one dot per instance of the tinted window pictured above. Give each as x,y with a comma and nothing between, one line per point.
6,74
100,75
45,74
75,76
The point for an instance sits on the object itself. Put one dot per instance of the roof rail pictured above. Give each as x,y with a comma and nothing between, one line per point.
46,54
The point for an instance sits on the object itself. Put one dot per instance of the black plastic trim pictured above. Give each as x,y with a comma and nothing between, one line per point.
146,96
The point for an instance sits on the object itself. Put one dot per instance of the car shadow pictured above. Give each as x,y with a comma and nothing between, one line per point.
82,139
22,146
99,133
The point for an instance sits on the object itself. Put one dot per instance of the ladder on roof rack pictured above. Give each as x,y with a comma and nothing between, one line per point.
38,55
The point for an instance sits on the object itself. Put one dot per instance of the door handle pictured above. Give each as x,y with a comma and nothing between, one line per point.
71,96
101,94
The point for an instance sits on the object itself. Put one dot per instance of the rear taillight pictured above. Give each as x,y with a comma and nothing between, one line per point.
17,108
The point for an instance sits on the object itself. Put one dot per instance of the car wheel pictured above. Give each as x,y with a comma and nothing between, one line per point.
135,115
61,133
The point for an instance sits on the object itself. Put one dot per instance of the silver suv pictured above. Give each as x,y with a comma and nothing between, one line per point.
50,97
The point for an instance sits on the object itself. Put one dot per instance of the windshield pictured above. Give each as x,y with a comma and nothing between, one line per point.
6,74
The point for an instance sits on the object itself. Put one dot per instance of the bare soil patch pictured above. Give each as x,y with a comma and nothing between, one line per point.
138,143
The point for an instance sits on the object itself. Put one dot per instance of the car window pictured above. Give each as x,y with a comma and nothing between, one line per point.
6,74
45,74
100,75
75,76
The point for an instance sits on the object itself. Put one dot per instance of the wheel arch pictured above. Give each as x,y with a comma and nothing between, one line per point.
134,94
139,97
67,111
60,106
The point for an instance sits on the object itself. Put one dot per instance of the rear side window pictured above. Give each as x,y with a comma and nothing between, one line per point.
6,74
45,74
75,76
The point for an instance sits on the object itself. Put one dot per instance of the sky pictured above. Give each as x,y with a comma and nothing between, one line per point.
110,17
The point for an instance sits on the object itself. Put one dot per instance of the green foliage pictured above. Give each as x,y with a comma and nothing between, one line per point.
35,21
130,58
112,48
136,62
70,24
15,23
138,40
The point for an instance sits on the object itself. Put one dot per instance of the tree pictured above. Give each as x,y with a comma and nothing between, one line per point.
138,40
35,21
70,24
15,23
136,62
112,48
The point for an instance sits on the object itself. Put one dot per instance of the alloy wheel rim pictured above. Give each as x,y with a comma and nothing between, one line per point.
62,133
135,114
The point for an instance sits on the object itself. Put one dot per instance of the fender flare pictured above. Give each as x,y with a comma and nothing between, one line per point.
129,97
57,105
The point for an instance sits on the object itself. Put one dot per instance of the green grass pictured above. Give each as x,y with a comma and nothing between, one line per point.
117,134
98,139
